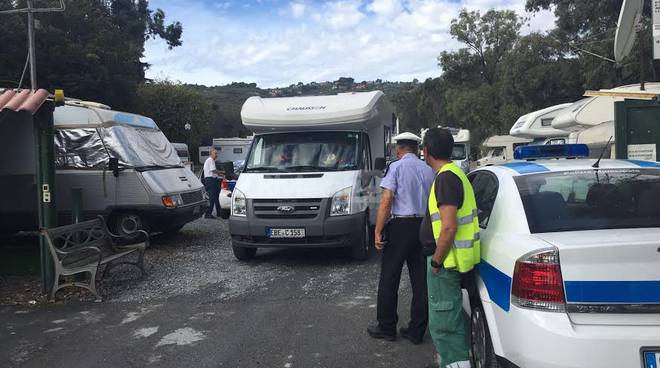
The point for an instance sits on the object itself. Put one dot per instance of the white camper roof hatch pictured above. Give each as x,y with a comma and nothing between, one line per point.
592,111
503,140
538,124
341,111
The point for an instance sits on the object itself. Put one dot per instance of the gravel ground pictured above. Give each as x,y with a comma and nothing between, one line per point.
198,306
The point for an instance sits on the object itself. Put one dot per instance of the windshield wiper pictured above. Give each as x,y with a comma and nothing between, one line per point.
156,167
310,168
263,168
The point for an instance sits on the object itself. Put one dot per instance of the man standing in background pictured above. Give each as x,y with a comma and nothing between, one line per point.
405,192
212,183
451,228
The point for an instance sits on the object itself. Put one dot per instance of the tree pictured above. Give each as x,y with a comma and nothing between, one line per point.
93,50
590,25
173,105
487,37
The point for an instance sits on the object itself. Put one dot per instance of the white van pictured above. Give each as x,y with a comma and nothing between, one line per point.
127,169
310,176
499,149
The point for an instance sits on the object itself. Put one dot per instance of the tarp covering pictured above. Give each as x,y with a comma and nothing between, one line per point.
91,148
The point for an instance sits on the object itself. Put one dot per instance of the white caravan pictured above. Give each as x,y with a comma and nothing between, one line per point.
499,149
310,178
232,149
537,126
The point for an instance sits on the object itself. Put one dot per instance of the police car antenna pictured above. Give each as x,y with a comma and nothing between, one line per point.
596,165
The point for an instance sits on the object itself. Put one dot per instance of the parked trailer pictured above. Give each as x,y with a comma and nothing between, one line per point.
232,149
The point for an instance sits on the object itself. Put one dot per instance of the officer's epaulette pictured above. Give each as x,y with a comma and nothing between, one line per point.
387,169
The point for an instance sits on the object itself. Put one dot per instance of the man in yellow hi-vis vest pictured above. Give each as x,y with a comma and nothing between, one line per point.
451,227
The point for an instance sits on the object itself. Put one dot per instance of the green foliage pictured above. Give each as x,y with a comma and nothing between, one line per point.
173,105
92,50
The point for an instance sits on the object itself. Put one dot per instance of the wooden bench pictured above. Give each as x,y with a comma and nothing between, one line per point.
84,248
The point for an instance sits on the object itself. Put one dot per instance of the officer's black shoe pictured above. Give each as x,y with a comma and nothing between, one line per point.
378,332
207,216
409,337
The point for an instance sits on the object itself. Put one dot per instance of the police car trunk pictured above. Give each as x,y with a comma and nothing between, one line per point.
602,227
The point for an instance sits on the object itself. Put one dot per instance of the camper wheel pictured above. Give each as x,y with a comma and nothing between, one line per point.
243,253
128,224
360,252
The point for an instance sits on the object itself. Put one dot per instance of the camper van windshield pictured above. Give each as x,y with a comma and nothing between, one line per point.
459,152
308,151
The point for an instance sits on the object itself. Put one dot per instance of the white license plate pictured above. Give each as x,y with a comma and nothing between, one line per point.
286,233
652,359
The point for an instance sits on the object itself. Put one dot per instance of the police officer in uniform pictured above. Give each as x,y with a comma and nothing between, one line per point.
405,192
451,228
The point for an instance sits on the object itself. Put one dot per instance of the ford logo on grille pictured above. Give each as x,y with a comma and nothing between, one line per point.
285,209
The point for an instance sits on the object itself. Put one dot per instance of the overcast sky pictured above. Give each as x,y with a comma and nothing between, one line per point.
279,42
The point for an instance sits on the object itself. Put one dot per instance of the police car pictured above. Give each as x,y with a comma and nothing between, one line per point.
570,270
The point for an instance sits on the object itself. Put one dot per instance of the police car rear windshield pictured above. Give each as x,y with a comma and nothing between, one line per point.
591,199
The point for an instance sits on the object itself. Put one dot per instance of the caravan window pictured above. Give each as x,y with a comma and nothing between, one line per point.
308,151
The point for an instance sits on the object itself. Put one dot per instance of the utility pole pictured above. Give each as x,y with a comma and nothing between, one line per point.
33,62
44,147
30,10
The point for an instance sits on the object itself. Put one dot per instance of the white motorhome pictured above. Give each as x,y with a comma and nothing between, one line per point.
184,155
232,149
538,126
127,169
499,149
310,176
461,153
591,120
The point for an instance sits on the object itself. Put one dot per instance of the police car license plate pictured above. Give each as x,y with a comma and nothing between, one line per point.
285,233
651,358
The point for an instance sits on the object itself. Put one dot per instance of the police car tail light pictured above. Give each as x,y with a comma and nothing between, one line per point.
537,282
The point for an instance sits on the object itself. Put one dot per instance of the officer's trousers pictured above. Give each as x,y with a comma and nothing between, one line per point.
446,317
402,246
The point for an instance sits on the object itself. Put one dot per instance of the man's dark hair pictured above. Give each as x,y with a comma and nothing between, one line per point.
408,145
439,143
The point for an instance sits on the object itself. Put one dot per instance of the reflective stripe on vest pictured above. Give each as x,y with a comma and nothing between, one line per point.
466,250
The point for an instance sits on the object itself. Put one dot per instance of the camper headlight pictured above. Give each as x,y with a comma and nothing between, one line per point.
238,204
341,203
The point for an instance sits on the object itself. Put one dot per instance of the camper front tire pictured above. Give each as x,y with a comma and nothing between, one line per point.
360,252
243,253
128,224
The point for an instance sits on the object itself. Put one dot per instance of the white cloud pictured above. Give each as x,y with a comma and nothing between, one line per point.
307,41
343,14
297,9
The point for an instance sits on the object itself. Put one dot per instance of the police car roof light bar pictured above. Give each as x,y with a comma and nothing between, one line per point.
551,151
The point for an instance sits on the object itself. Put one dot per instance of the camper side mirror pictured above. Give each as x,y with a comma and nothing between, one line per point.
380,164
113,165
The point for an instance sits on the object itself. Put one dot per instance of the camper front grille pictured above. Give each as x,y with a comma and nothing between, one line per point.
287,208
192,197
